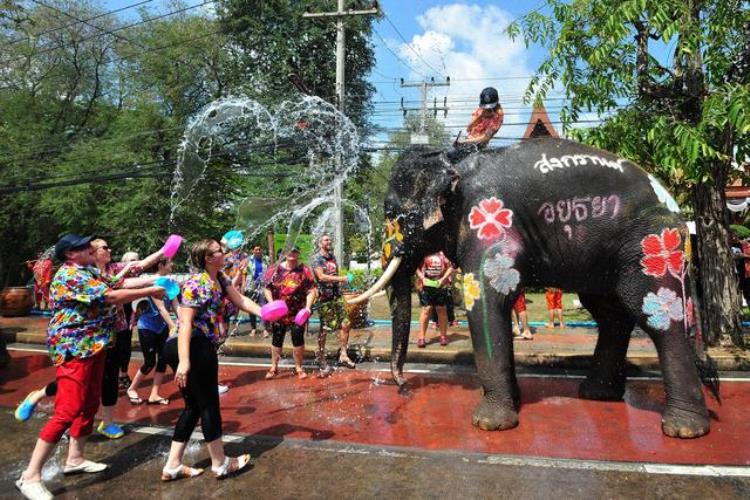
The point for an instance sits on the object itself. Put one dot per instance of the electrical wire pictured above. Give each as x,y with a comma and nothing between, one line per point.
104,14
409,44
55,9
385,44
120,28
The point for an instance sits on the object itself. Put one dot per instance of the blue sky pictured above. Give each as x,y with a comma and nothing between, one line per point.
421,39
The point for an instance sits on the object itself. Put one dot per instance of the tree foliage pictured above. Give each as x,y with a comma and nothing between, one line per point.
682,68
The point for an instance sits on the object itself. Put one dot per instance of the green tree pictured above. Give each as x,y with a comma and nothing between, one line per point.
686,117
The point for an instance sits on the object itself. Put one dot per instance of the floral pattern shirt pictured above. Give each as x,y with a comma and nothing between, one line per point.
200,292
235,264
291,286
82,322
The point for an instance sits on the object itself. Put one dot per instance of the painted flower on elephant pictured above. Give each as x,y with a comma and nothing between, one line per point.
499,270
662,253
490,218
663,195
662,308
472,291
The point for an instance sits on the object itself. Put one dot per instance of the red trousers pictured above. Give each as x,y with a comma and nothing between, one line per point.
79,388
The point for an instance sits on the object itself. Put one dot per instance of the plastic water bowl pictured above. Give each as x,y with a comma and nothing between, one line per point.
171,288
302,316
234,239
274,311
431,283
172,245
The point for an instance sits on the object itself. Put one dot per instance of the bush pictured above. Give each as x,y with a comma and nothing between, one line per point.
361,282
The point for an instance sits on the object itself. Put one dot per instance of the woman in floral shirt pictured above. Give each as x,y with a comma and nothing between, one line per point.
292,282
83,303
201,328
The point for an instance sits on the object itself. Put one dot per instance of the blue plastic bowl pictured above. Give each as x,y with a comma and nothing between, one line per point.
171,288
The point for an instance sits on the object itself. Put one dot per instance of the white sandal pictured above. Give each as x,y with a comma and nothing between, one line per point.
231,465
34,490
179,472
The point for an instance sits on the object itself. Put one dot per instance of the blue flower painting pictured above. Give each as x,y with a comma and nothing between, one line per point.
662,308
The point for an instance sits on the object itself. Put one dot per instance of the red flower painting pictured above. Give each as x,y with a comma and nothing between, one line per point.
490,218
662,253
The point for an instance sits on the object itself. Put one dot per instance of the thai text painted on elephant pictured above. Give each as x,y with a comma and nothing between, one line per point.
578,208
544,165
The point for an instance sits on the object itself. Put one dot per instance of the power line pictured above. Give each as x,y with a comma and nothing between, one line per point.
409,45
112,31
104,14
53,8
385,44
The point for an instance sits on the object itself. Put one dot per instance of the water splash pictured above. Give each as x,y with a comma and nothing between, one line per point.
233,128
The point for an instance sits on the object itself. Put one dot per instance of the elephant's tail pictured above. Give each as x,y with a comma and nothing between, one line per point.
709,375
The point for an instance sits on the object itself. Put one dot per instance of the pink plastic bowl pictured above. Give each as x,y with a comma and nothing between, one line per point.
302,316
172,245
273,311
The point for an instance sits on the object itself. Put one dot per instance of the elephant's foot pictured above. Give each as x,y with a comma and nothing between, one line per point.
492,416
599,390
684,424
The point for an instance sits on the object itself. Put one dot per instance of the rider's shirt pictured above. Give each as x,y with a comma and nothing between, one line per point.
485,127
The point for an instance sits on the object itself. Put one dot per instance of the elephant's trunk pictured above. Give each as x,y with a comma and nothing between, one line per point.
400,301
380,284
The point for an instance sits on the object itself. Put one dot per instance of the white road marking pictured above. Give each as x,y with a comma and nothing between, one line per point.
507,460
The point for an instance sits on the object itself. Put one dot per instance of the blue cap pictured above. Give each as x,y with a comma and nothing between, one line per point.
71,242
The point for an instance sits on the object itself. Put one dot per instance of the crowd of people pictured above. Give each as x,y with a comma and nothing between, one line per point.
97,304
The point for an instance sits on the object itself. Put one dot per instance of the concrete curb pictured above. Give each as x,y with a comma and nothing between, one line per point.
737,360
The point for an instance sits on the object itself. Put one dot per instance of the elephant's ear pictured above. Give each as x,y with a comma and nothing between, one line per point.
441,188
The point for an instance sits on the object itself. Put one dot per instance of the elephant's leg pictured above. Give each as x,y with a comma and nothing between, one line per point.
489,321
606,381
686,415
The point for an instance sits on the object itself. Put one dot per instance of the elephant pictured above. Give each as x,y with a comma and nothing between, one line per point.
550,212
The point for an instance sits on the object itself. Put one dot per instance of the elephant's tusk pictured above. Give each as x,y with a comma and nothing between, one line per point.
380,284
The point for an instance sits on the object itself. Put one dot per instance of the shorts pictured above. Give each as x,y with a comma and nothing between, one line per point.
333,314
554,298
520,305
431,296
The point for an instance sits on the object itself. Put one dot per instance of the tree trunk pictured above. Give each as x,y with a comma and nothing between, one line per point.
722,302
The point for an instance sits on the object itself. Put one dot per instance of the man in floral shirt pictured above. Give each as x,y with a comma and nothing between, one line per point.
292,282
83,304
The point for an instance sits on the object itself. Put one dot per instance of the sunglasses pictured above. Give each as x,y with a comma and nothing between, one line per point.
103,247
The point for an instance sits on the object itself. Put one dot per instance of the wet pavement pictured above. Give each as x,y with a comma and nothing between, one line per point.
355,435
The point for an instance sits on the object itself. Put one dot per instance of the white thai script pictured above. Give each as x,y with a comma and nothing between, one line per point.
547,165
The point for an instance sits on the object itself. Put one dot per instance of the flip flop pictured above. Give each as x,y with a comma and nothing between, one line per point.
160,401
135,401
272,373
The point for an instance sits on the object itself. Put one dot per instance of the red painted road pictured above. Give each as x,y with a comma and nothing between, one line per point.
363,407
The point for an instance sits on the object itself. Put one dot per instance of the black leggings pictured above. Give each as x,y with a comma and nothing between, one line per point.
110,384
125,347
201,393
279,331
152,345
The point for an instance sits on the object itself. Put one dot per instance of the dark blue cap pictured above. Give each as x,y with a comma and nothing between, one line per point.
70,242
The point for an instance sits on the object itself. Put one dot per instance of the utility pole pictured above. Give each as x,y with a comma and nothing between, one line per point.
424,85
340,14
